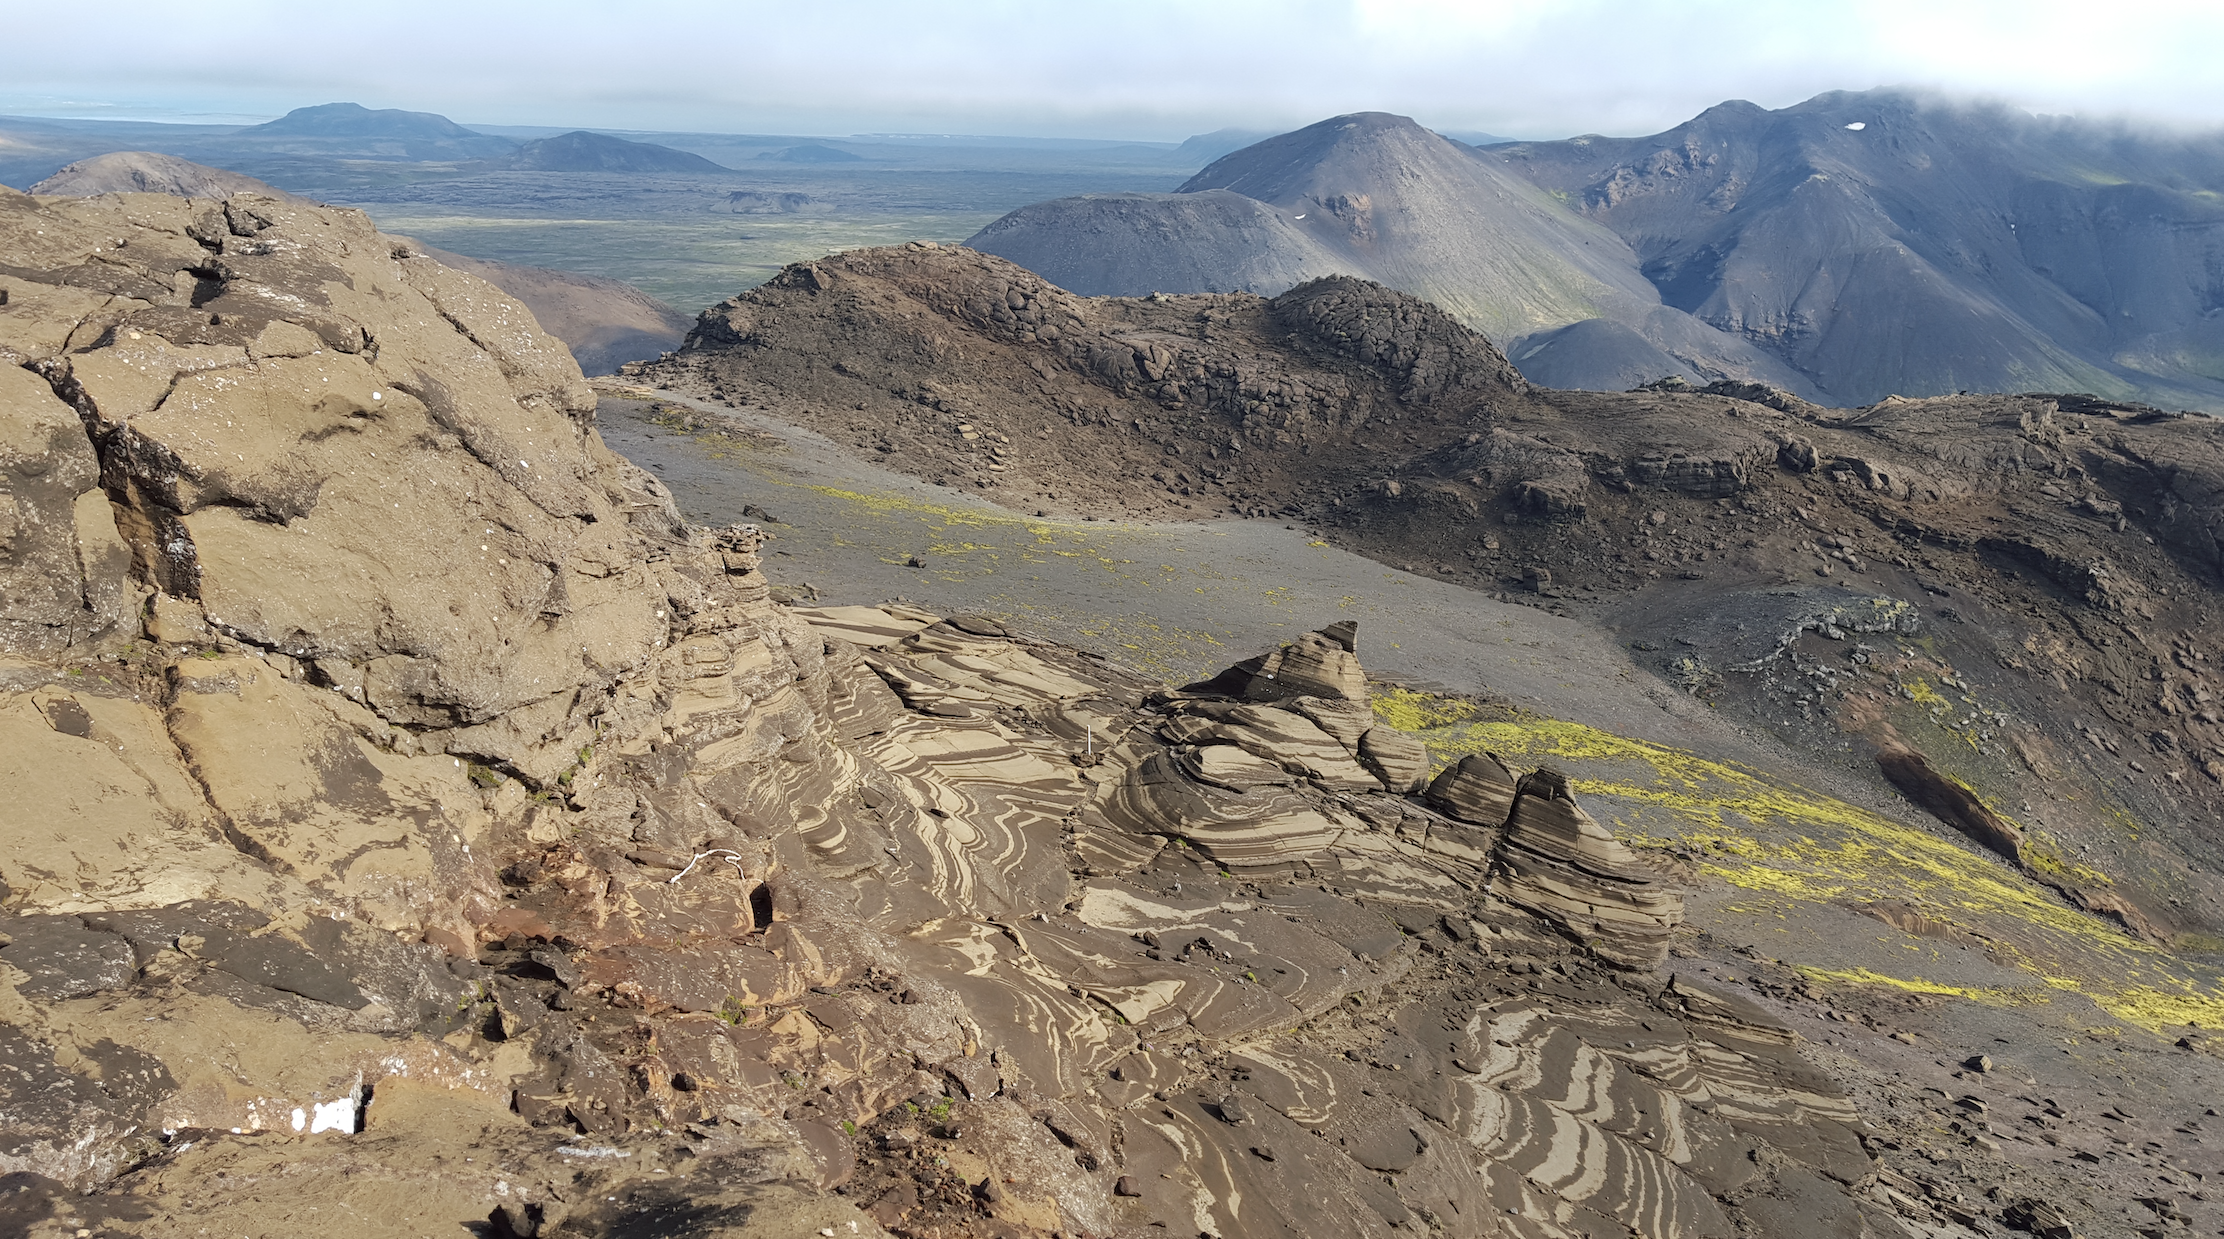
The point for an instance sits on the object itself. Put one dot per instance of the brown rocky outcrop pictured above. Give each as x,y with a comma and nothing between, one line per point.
604,322
1947,800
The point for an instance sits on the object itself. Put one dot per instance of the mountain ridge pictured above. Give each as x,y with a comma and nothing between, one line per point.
1920,211
1380,197
388,133
1857,245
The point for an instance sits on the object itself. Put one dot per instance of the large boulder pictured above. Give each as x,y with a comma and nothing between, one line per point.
333,450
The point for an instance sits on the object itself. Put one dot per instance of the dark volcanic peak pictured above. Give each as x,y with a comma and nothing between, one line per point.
352,131
581,151
1127,245
812,152
1285,164
1379,196
1851,247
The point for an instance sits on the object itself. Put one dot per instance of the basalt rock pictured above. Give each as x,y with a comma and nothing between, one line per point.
1947,800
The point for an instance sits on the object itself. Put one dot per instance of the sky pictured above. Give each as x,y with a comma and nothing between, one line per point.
1146,69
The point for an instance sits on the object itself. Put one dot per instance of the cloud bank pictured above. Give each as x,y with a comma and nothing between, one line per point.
1144,69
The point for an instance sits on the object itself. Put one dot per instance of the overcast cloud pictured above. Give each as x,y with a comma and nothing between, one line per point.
1148,69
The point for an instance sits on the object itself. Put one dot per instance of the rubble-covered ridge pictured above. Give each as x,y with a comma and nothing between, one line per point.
410,818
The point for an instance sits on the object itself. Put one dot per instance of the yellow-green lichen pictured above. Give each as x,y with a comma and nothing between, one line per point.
1778,839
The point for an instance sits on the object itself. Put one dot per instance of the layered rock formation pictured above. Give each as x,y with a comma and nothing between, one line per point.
1559,862
1477,788
414,825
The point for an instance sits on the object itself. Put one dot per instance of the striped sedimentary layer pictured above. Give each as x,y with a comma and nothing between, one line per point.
1195,945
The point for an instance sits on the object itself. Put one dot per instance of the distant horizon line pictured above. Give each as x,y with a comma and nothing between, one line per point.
243,120
142,115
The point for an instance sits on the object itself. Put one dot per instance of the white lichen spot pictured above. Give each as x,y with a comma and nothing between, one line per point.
336,1116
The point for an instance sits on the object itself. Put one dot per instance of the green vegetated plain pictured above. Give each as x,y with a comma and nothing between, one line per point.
694,241
689,262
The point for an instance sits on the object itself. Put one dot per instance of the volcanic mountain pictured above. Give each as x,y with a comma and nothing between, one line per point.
1379,196
581,151
1848,248
1882,242
372,133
